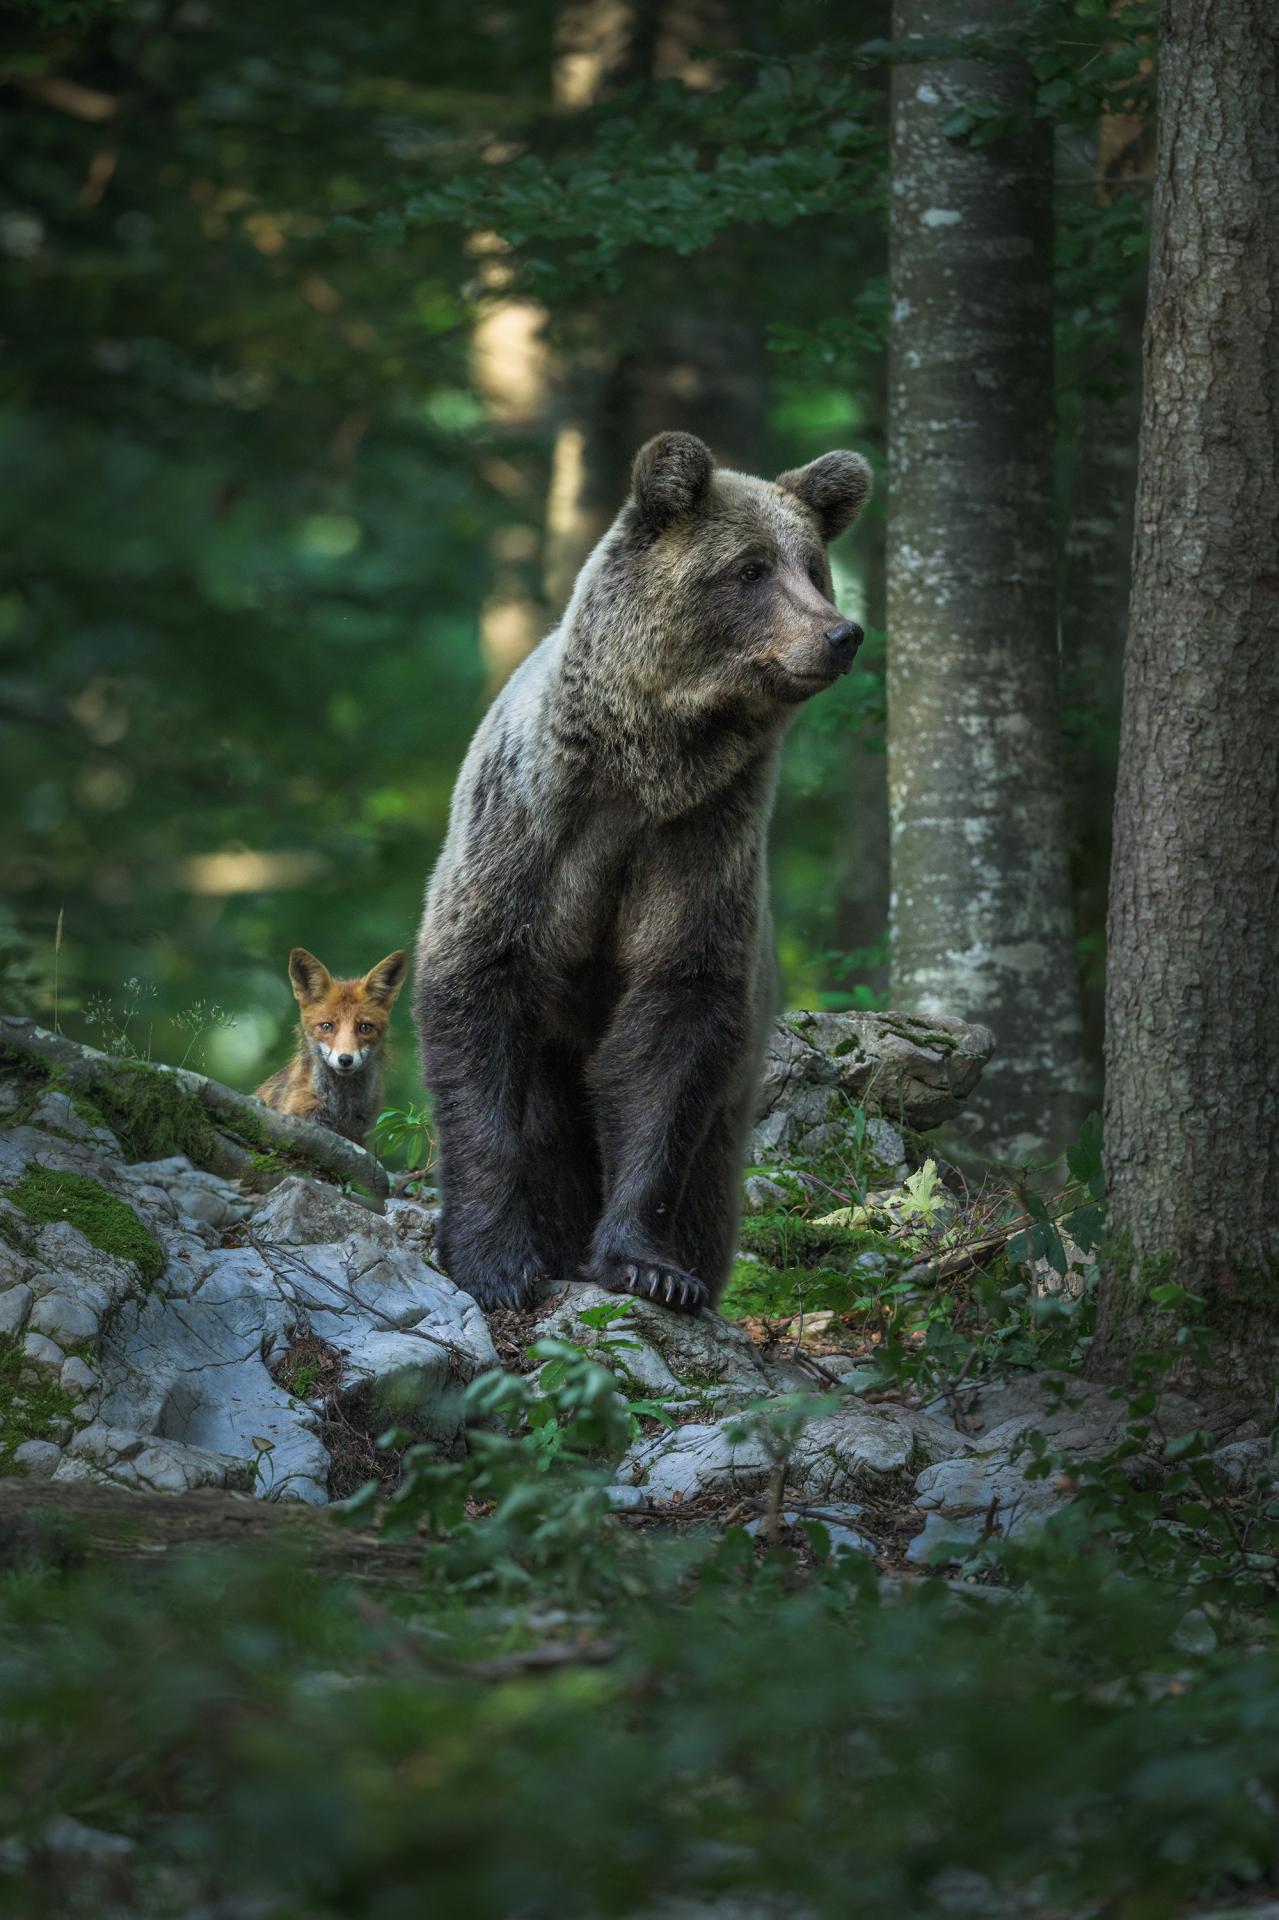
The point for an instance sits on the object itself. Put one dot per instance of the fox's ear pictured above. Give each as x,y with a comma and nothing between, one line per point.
383,982
311,978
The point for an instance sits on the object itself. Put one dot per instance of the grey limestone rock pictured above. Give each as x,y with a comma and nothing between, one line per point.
910,1072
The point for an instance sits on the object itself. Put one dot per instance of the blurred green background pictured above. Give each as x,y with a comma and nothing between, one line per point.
303,308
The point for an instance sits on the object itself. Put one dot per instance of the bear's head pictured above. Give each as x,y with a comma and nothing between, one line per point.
727,575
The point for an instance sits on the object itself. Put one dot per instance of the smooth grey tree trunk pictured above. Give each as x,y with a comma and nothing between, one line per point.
981,918
1192,1013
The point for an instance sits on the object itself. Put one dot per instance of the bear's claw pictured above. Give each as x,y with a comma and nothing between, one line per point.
518,1289
647,1280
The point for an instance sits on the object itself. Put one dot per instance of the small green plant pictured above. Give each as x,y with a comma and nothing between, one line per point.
1156,1500
778,1425
202,1017
117,1027
527,1497
405,1134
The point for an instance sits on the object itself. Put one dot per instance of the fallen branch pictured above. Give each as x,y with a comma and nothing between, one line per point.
239,1123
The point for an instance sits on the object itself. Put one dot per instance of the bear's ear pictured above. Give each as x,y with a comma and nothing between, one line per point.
383,982
836,488
671,479
310,977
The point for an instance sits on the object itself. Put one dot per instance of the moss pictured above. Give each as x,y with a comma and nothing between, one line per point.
847,1047
755,1288
266,1170
153,1117
108,1223
919,1033
150,1114
29,1409
785,1240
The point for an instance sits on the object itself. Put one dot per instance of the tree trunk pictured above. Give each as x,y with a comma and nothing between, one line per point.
1103,418
982,922
861,907
1192,1019
509,365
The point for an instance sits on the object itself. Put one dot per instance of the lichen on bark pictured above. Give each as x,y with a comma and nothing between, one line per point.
981,914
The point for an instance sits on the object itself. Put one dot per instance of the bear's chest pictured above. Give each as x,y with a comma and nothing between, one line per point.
587,883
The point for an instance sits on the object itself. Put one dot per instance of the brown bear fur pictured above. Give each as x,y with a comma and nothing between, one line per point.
595,971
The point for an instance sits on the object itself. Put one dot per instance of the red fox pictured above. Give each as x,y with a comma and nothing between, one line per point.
335,1076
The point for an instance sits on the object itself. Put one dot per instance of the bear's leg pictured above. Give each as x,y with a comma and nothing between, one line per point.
659,1081
561,1160
478,1053
705,1236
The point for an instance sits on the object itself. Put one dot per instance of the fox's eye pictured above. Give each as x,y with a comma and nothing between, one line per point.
364,1026
324,1026
750,573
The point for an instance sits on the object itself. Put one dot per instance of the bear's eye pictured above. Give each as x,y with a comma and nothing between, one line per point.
817,574
750,573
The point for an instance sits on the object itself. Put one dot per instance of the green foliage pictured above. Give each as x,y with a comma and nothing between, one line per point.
733,1728
405,1134
31,1408
44,1194
790,1239
537,1523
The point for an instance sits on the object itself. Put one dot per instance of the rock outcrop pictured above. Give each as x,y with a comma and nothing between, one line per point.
152,1311
146,1306
911,1073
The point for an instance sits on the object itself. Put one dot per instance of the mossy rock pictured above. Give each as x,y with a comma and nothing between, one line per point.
44,1194
29,1409
153,1117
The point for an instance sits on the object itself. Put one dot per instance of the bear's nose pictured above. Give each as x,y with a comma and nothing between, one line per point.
843,642
346,1059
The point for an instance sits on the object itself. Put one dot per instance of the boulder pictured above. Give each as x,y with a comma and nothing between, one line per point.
987,1489
855,1449
909,1071
680,1359
304,1213
169,1379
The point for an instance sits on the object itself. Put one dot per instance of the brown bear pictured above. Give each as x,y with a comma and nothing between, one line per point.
595,976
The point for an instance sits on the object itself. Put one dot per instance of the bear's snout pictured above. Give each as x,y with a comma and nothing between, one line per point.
842,643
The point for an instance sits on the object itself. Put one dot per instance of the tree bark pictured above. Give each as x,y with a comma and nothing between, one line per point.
1192,1019
1104,412
982,921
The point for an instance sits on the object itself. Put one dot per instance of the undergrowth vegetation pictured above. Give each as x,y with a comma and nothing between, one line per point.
930,1284
577,1707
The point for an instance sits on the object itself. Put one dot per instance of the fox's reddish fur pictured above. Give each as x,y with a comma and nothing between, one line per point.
335,1075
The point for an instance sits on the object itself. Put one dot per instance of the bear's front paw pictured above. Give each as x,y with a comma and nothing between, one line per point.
650,1280
496,1287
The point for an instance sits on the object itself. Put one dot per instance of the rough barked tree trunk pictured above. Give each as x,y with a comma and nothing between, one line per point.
1192,1015
1096,564
982,920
